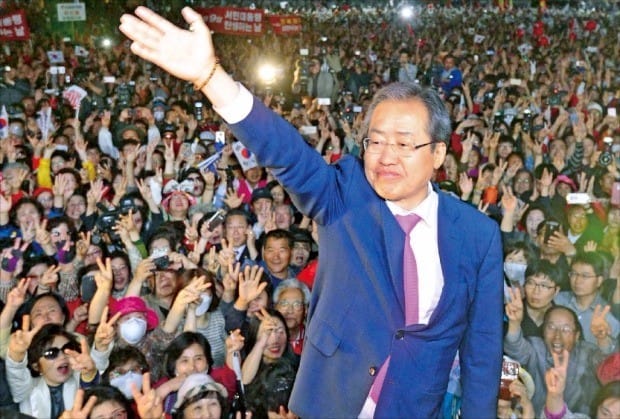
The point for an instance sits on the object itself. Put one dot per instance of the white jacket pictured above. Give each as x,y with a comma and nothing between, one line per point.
33,394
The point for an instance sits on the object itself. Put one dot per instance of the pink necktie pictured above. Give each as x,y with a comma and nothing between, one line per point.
410,269
410,284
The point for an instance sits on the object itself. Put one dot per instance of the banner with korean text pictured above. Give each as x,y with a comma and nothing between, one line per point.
234,20
285,24
14,27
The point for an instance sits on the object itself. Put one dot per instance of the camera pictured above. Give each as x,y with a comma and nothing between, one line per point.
606,157
347,114
550,228
162,262
527,120
216,220
488,98
123,95
198,111
497,121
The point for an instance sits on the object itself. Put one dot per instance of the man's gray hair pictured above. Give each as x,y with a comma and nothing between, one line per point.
292,283
439,127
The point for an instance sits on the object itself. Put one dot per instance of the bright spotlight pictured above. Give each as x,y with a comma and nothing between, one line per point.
267,73
106,43
406,12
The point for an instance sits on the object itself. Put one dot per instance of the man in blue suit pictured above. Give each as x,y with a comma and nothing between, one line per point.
365,355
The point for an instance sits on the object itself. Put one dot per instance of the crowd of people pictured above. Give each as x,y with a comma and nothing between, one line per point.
147,260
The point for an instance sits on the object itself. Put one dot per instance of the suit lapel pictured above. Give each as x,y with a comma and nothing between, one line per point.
450,251
394,240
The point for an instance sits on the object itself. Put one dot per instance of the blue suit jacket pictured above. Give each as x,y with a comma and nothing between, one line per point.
357,308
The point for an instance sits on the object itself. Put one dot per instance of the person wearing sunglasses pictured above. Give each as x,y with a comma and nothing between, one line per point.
45,368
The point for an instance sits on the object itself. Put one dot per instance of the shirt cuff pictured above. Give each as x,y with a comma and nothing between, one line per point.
239,108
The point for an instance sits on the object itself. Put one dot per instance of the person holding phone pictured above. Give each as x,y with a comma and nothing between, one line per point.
372,349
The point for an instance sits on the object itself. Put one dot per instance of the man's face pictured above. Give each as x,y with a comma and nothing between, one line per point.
235,230
262,206
539,291
46,311
403,180
578,220
291,305
583,280
277,256
560,331
284,219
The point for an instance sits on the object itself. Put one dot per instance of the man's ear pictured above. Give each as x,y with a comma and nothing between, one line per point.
439,154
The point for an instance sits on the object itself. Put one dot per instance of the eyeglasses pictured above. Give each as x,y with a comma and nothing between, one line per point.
402,149
537,285
575,275
117,414
285,305
52,353
564,329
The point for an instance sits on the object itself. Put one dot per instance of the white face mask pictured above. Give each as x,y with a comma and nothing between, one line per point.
515,272
205,303
159,115
123,383
133,330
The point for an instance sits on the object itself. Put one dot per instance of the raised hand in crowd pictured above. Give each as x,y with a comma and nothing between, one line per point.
188,295
82,362
555,380
233,200
250,286
80,410
514,310
106,330
11,257
20,340
600,327
230,280
149,404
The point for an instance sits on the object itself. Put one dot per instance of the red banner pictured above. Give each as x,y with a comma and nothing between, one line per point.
234,20
14,27
285,25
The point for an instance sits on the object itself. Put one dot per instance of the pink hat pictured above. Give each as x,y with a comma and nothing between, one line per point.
134,305
609,369
565,179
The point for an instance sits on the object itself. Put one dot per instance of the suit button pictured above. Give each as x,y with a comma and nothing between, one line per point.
400,334
372,371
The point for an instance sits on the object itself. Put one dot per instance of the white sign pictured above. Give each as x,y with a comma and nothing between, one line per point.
71,12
